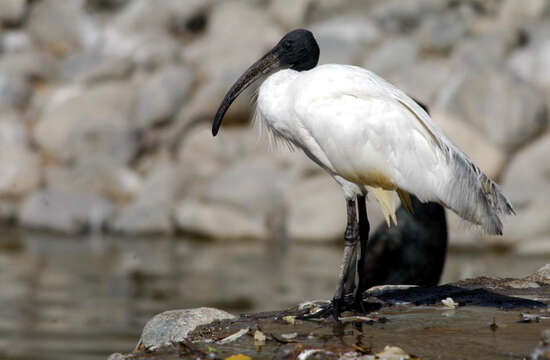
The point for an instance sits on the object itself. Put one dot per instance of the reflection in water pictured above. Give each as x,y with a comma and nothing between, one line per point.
84,298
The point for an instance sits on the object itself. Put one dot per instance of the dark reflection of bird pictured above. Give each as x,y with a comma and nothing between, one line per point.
369,136
412,252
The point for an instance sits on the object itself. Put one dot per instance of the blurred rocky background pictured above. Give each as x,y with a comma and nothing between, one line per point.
106,108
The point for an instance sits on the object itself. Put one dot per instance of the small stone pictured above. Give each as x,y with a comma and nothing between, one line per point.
65,212
173,326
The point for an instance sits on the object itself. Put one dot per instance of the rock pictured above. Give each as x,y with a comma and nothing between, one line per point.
105,5
14,41
422,80
541,275
12,11
141,219
255,187
403,17
90,66
61,27
173,326
483,53
343,39
514,13
490,158
20,171
89,122
317,210
439,33
532,63
220,43
217,221
161,95
97,175
508,111
525,180
15,91
291,13
393,55
65,212
29,64
163,185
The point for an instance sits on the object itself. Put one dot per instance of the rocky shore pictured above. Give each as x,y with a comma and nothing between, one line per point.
480,318
105,109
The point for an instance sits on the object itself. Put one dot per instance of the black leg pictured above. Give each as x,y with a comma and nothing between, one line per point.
346,278
364,228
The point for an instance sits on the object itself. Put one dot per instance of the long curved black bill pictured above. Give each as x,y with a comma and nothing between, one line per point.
266,64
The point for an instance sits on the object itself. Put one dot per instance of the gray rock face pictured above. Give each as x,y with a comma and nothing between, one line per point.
91,66
217,221
161,95
68,213
533,63
94,121
61,27
439,33
173,326
526,178
393,55
142,220
12,11
509,112
15,91
344,39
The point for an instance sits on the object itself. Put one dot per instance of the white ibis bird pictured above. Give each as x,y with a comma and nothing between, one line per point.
370,137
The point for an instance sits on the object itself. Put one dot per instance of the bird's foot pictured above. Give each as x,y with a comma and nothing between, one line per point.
335,307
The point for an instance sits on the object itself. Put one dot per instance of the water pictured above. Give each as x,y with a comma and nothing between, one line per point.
84,298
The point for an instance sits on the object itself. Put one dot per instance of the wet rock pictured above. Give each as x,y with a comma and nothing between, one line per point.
162,95
525,181
61,27
508,111
392,55
541,275
79,123
90,66
217,221
142,219
343,39
64,212
12,11
97,176
532,63
174,326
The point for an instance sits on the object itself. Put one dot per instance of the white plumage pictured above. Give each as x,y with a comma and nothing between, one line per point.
369,135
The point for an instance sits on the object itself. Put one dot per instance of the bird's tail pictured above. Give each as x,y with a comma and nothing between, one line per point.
474,196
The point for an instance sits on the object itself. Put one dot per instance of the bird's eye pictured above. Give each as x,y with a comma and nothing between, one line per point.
287,44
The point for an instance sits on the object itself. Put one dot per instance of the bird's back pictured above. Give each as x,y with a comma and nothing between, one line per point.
360,127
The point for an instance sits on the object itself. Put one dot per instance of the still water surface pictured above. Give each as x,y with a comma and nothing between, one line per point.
84,298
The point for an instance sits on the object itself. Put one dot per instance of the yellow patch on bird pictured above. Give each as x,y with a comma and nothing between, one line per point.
386,199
